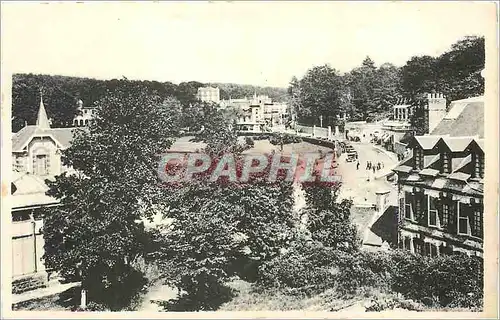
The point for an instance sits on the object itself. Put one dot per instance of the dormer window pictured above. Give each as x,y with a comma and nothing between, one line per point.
446,162
418,154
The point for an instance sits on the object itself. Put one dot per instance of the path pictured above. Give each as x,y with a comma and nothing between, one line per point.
158,291
51,289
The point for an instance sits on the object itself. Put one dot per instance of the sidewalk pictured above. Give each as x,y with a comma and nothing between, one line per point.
43,292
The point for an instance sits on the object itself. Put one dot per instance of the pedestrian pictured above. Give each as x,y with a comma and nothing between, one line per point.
367,165
373,169
357,166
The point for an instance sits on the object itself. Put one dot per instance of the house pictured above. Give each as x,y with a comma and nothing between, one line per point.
256,112
36,155
440,185
209,94
36,149
85,116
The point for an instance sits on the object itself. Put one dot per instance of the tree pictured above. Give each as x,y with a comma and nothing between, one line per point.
329,219
93,236
419,75
319,93
282,138
362,82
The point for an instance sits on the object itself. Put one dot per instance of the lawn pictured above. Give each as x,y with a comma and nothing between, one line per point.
64,301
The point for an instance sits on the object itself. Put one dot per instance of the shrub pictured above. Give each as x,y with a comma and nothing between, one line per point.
249,141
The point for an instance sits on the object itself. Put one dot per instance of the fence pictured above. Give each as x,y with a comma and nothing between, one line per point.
318,132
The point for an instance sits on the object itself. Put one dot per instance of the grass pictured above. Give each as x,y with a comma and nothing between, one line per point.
64,301
251,299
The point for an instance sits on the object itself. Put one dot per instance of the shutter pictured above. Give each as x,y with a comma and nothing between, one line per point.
401,215
452,220
423,211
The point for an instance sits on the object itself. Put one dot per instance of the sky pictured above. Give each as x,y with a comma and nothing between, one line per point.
255,43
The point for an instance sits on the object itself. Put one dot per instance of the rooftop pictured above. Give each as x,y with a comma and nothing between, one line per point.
465,118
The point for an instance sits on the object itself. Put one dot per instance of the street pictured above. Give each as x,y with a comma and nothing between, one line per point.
361,184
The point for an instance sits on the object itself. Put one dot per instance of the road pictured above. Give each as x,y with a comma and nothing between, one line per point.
361,185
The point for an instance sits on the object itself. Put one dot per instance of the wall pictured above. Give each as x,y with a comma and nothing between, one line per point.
49,146
27,247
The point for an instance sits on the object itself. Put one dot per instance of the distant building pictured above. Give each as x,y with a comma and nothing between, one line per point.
441,185
85,116
208,94
398,130
257,112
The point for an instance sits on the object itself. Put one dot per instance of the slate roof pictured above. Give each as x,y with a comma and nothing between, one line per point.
465,118
457,144
23,136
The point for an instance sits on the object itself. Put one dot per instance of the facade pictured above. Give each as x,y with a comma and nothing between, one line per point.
36,149
440,186
208,94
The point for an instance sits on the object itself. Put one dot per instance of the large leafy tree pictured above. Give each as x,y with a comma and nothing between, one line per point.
94,235
222,228
318,93
329,218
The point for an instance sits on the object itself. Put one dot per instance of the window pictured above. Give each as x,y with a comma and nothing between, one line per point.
463,220
433,218
446,162
408,207
477,222
478,166
433,251
418,246
419,158
407,243
418,206
445,215
41,164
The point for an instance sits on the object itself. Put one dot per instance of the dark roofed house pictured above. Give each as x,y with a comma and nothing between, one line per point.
441,186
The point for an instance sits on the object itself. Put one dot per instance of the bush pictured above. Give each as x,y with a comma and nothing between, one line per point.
447,281
249,141
119,290
204,292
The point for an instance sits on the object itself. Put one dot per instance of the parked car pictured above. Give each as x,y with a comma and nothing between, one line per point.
353,156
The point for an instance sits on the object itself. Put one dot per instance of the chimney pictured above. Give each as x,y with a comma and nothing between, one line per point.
382,203
436,109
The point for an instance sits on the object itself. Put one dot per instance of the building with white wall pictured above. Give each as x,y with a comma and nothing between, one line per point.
209,94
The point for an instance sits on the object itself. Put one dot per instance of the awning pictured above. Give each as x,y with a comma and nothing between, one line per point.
432,193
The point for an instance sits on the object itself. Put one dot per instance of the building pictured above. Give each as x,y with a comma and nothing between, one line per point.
394,130
36,155
208,94
275,113
398,130
36,149
85,116
257,112
440,185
